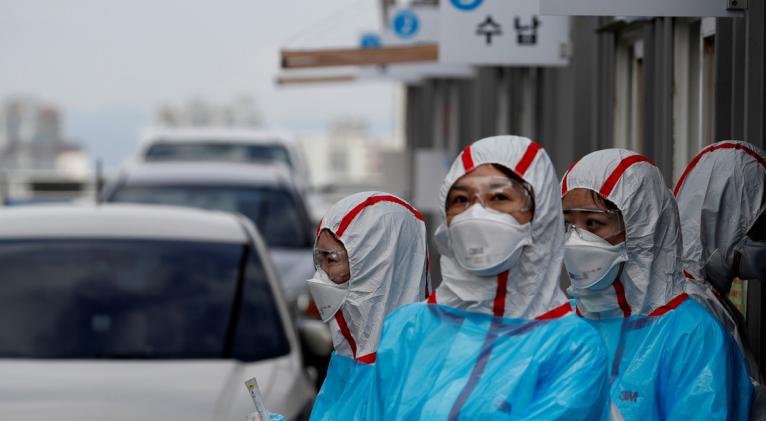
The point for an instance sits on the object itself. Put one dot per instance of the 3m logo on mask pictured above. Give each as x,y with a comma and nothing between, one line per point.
628,396
476,251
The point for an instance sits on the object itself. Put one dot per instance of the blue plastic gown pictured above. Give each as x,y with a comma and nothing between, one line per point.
681,365
346,393
436,362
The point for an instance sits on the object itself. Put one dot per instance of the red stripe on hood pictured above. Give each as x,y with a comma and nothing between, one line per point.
713,148
527,158
671,305
345,331
613,178
346,221
467,159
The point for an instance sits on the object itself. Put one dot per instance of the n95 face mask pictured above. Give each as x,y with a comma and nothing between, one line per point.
328,296
487,242
591,261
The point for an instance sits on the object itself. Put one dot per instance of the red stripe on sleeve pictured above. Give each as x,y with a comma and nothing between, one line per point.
610,182
527,158
712,148
345,331
346,221
671,305
619,290
557,312
467,159
498,307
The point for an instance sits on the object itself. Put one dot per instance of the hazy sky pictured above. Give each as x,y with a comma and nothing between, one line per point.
109,64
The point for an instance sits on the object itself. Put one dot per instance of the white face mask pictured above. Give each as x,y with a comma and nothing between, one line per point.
484,241
328,296
591,261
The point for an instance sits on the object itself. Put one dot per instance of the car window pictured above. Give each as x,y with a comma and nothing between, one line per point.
216,151
276,212
96,298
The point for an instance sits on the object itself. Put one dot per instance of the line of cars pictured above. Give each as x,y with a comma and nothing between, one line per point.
144,306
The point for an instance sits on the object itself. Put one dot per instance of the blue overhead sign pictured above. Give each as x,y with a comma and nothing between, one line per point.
405,24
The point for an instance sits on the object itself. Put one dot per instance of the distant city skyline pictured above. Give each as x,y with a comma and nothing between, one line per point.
111,65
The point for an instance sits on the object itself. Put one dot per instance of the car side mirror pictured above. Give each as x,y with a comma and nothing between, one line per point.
315,337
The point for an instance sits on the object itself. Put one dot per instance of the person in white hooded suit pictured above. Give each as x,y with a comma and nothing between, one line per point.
497,339
722,198
371,257
669,358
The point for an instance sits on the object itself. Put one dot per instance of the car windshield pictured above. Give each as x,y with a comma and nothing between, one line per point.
100,298
276,212
216,151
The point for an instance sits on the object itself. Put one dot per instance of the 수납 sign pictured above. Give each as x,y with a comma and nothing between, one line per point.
501,32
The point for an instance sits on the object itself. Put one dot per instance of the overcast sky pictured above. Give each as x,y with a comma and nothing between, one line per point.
109,64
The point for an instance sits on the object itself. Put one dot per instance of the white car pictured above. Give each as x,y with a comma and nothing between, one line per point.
262,192
228,145
118,312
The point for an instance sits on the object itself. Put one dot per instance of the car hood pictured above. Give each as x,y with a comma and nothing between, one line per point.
294,267
126,390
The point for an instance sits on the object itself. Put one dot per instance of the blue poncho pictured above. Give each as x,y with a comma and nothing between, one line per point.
680,365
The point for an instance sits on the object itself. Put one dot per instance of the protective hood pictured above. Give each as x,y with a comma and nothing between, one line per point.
385,239
531,287
652,275
720,195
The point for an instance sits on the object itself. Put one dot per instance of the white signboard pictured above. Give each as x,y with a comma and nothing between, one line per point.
501,32
638,8
409,26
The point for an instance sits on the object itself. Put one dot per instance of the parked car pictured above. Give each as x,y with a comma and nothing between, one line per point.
119,312
262,192
228,145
